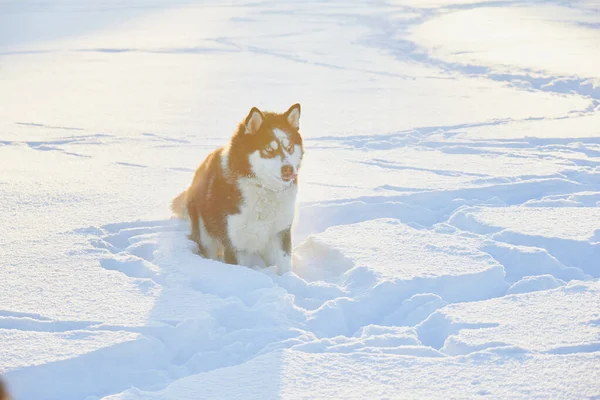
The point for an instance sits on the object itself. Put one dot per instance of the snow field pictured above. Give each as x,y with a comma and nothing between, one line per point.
447,237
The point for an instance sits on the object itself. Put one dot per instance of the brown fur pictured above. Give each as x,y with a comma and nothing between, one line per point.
212,195
178,206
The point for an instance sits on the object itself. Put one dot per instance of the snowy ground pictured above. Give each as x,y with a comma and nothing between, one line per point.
448,237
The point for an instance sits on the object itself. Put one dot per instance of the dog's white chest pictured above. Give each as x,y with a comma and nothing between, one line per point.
265,208
263,214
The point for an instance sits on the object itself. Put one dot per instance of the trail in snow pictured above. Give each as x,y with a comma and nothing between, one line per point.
375,287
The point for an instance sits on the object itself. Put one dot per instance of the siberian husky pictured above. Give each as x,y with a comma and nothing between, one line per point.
241,202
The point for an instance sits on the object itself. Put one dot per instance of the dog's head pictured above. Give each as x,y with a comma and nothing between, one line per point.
268,146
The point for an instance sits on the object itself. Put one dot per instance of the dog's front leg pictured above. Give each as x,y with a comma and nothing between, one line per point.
238,257
278,252
244,258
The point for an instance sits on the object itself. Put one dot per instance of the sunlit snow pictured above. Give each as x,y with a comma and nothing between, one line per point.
447,240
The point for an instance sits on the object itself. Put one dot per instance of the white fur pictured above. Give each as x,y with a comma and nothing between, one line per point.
273,254
264,213
268,171
280,135
291,159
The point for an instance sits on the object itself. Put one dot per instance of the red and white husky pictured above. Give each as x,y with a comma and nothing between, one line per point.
242,199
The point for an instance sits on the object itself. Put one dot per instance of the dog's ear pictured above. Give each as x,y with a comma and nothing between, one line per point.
254,120
293,116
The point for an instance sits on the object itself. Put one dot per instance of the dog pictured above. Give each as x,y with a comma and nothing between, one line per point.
242,199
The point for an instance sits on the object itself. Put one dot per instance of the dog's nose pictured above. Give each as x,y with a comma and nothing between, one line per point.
287,170
287,173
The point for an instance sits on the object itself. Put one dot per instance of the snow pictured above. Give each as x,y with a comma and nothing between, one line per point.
534,283
44,345
567,233
357,376
569,223
524,38
507,322
447,241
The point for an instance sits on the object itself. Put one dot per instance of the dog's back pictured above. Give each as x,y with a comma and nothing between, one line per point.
192,194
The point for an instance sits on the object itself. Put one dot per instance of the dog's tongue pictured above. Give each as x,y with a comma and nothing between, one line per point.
290,177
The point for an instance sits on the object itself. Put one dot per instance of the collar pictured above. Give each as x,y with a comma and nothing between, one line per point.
258,184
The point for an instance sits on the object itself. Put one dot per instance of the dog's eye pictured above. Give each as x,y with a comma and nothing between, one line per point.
268,151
